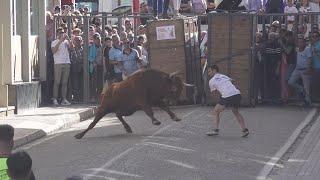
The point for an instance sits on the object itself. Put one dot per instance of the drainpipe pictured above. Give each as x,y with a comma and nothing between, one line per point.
136,11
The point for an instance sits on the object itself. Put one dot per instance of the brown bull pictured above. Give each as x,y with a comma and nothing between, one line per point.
141,91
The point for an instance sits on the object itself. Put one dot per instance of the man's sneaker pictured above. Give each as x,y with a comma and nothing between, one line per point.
65,102
245,132
214,132
55,102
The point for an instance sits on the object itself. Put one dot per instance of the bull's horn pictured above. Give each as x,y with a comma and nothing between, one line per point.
188,85
174,73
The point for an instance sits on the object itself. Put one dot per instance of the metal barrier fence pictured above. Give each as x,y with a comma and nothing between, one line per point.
104,19
260,23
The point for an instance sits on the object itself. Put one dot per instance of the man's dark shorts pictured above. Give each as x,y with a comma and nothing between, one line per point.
232,101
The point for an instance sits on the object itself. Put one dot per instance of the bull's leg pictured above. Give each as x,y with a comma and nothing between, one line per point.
171,114
149,112
97,118
124,123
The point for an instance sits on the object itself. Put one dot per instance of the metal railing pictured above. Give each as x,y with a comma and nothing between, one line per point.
260,23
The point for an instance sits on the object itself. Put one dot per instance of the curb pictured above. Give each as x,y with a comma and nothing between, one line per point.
266,170
67,122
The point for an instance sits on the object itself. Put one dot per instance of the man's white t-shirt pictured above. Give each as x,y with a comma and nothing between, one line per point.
223,84
62,55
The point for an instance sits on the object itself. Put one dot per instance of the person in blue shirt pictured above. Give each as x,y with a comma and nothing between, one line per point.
115,55
130,60
302,71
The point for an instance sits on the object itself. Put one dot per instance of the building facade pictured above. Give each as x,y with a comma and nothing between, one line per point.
22,53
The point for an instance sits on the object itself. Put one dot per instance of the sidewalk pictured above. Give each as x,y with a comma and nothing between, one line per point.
304,163
42,121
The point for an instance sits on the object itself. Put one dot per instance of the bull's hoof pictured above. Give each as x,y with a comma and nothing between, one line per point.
156,122
79,136
176,119
129,130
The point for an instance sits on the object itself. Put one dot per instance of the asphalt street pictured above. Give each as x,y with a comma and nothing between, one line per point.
171,151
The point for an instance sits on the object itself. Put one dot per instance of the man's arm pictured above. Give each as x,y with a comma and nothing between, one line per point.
56,47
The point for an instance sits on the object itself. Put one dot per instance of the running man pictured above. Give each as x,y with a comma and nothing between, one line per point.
230,97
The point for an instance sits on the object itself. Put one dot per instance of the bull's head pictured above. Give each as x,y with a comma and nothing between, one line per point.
175,87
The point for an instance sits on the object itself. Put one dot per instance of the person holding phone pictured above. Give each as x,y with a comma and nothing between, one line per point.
60,49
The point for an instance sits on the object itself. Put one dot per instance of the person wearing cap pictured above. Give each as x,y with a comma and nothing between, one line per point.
302,70
142,30
130,59
60,49
275,26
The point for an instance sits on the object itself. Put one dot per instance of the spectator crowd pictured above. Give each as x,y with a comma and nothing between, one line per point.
287,58
113,54
116,51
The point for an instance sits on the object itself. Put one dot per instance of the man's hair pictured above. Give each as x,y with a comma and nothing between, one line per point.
19,164
76,30
6,133
115,36
107,38
215,67
96,36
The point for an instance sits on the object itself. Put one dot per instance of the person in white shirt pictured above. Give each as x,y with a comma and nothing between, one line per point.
290,8
230,97
60,49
